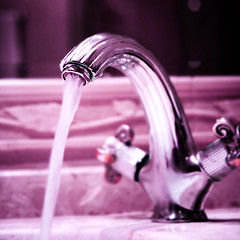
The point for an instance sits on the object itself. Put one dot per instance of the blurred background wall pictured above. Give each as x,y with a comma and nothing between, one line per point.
189,37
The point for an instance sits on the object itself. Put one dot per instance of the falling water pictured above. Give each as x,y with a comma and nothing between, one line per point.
70,103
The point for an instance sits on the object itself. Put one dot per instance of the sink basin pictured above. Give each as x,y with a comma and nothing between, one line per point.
224,224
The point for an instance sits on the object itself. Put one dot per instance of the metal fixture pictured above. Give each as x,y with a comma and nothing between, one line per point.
174,175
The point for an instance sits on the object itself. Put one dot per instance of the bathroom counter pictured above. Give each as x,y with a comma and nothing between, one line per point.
29,111
224,224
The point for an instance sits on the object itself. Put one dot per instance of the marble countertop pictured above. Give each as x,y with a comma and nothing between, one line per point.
223,224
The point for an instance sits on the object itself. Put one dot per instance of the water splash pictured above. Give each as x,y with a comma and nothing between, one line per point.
71,99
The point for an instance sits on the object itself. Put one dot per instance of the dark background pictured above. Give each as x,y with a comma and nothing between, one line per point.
189,37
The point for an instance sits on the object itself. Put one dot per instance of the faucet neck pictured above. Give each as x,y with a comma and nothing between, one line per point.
95,54
170,140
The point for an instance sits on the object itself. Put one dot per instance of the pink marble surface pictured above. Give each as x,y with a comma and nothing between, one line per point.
84,191
224,224
29,111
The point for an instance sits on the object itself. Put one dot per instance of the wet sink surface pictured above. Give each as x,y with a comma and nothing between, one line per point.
223,224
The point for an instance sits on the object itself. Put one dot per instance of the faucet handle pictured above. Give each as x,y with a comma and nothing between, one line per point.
234,146
125,134
120,157
223,156
111,175
224,128
229,133
106,155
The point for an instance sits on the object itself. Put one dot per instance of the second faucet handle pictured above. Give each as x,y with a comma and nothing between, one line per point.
125,134
223,156
120,157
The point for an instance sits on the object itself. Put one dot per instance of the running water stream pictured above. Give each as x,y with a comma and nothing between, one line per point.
71,99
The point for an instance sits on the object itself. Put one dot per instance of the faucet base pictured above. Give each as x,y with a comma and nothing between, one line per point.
176,213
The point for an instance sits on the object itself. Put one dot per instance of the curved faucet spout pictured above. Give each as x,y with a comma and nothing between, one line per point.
172,178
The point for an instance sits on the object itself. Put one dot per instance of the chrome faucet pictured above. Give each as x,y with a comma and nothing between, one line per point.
174,175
